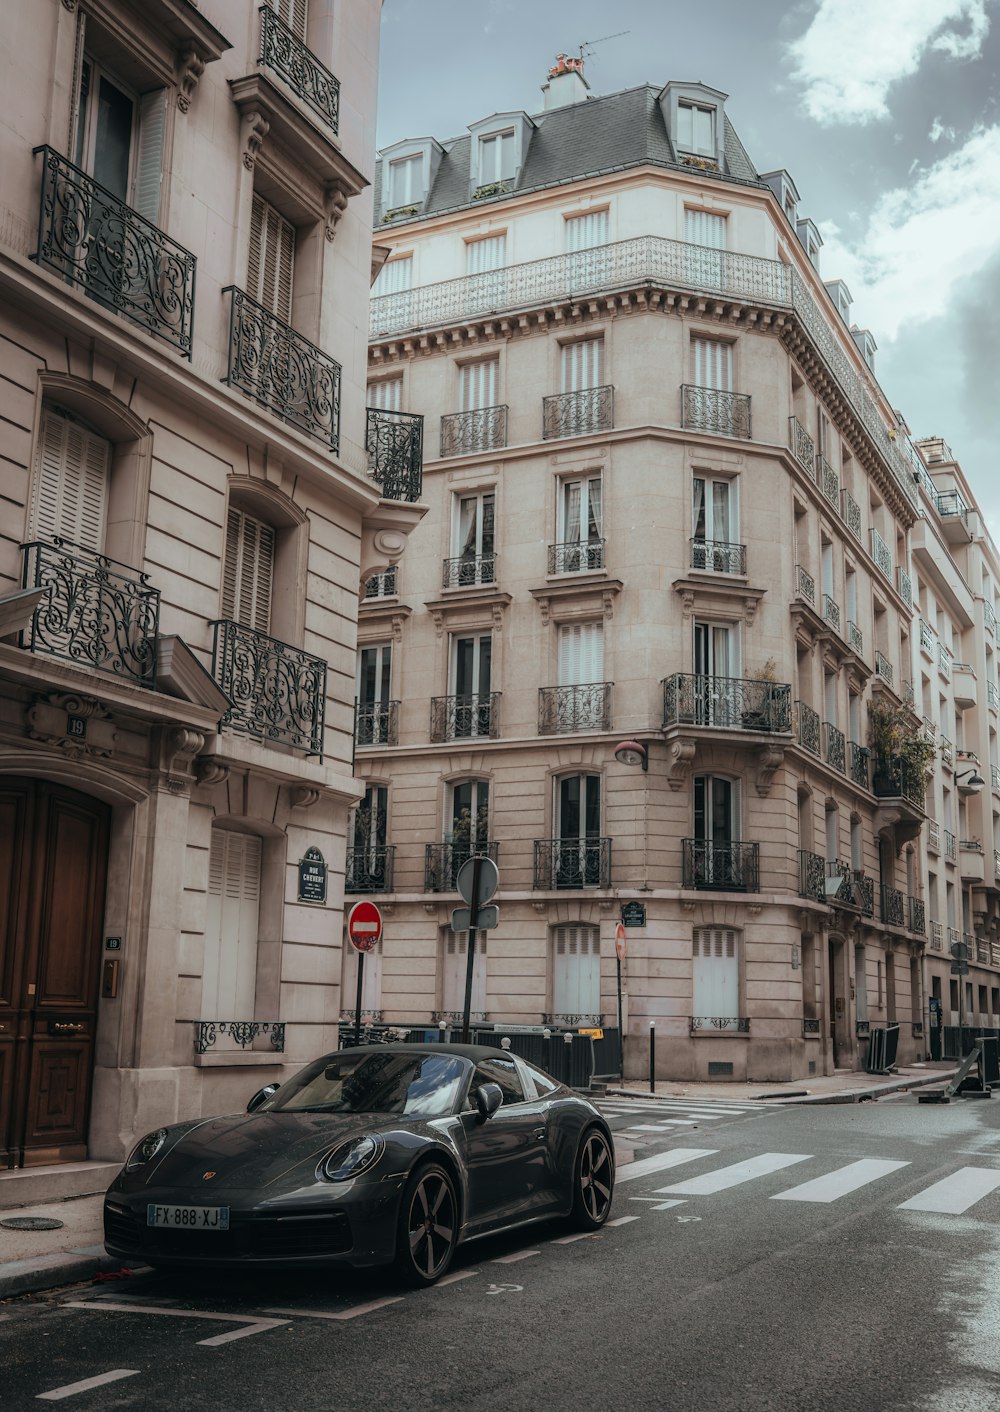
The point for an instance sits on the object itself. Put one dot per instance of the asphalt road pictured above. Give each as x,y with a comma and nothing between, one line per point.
804,1258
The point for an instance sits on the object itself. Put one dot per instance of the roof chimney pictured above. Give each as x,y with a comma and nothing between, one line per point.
566,83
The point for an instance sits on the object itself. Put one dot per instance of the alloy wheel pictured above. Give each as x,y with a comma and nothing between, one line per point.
431,1224
596,1177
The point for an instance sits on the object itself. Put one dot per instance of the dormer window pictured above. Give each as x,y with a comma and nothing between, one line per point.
497,153
497,158
405,185
696,129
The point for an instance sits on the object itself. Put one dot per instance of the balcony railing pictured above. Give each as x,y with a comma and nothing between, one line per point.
576,413
726,703
897,778
982,952
855,638
718,556
851,512
97,614
995,778
370,869
933,836
947,751
240,1032
836,883
916,915
954,940
859,758
905,585
469,571
951,505
465,717
950,845
88,236
812,875
466,433
834,752
992,696
395,445
989,617
891,905
996,862
709,409
583,707
937,937
944,660
805,585
282,371
831,612
881,554
443,861
376,723
829,482
278,691
737,1024
908,695
883,668
384,585
576,558
572,862
720,867
807,727
283,51
802,444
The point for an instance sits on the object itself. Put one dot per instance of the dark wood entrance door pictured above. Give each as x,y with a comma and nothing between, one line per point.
53,867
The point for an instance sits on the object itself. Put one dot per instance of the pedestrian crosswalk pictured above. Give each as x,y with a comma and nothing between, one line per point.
663,1117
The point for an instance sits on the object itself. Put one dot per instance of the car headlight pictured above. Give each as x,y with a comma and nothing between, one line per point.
352,1158
146,1150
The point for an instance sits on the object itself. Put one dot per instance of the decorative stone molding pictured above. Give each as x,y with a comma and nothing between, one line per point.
334,205
687,905
754,909
180,747
570,602
78,725
210,770
680,761
769,757
255,129
69,5
387,908
540,907
699,595
304,796
190,68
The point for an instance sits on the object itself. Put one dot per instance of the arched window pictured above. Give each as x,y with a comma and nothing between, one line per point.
248,571
71,476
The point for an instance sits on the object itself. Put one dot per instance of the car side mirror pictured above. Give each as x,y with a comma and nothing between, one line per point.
488,1100
261,1096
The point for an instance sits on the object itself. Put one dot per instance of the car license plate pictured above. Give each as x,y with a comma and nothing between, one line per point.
189,1218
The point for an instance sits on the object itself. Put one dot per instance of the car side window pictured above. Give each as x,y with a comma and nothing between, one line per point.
543,1084
502,1072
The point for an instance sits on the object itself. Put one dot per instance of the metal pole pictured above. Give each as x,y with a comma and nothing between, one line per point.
357,1005
471,958
621,1032
652,1056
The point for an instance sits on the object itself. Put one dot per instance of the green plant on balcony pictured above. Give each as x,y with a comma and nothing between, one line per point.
892,737
400,211
757,707
490,188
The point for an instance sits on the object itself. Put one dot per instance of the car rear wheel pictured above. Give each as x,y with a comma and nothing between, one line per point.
593,1181
428,1225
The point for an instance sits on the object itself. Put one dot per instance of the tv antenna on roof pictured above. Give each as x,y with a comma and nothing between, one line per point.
588,45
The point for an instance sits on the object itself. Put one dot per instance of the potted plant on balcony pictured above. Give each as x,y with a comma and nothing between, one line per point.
756,713
899,752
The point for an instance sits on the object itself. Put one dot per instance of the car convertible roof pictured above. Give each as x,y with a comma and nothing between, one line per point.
475,1052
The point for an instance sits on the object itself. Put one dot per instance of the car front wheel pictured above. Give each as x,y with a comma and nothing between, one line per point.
428,1225
593,1181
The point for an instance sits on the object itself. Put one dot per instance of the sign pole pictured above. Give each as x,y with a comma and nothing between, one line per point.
621,1031
471,958
357,1006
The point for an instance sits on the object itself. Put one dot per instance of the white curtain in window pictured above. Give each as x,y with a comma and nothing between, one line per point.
229,973
713,364
576,971
583,364
386,394
247,571
271,259
581,511
715,972
584,232
479,384
487,254
70,490
581,653
695,129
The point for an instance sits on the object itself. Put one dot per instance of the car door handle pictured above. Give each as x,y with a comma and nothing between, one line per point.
538,1134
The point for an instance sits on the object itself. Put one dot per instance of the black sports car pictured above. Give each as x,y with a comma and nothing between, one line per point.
368,1156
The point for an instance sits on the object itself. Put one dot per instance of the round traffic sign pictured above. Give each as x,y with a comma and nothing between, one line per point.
620,940
364,926
488,874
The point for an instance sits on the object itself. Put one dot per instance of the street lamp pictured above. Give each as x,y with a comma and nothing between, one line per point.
632,752
970,781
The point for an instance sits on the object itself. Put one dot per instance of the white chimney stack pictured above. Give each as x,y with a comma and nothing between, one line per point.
566,83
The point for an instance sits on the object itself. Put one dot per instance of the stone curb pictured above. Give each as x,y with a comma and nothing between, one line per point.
63,1267
847,1095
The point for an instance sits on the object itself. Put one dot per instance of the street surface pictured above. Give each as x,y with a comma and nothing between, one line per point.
814,1259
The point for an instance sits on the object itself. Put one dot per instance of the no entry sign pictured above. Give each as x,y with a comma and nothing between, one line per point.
364,926
621,941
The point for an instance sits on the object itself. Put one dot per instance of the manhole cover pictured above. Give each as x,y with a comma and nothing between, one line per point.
31,1223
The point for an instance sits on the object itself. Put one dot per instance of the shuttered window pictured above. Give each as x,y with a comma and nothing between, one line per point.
386,394
395,277
583,232
713,364
295,14
149,154
496,157
704,228
454,964
583,364
479,384
576,971
70,490
406,181
248,571
581,653
271,259
487,254
715,972
229,974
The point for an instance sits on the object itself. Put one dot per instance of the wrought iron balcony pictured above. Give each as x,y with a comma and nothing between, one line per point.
726,703
573,1019
807,727
466,433
576,413
835,883
954,940
241,1032
834,752
442,861
738,1024
950,844
881,554
88,236
992,696
718,556
829,482
395,445
933,836
582,707
283,51
469,571
947,752
905,585
855,639
709,409
917,915
995,778
883,668
465,717
812,875
572,862
951,505
376,723
937,937
859,761
370,869
926,638
990,617
944,660
278,691
802,444
98,613
891,905
576,558
720,867
384,585
896,778
831,612
282,371
851,512
805,585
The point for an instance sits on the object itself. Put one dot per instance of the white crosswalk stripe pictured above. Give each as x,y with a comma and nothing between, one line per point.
735,1175
956,1193
839,1183
661,1162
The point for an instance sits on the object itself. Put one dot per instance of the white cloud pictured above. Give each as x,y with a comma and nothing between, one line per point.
855,50
938,130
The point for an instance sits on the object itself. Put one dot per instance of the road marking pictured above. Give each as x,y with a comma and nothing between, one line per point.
956,1193
724,1177
513,1259
622,1220
841,1182
85,1384
666,1205
259,1326
458,1275
505,1289
662,1127
672,1158
256,1325
580,1235
339,1315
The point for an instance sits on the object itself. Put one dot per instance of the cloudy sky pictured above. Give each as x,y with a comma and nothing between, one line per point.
884,111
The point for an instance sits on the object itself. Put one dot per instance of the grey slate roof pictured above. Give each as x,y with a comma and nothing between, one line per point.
606,134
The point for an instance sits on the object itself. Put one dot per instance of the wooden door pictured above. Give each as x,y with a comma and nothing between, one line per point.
53,865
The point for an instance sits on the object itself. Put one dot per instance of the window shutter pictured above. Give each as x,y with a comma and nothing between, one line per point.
576,974
715,972
229,974
294,13
455,951
149,154
487,254
69,496
386,395
271,260
395,277
582,364
584,232
479,384
713,364
247,571
703,228
581,653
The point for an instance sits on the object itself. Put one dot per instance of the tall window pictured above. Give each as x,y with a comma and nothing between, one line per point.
489,253
705,234
368,831
696,129
584,232
581,653
471,670
578,823
714,529
395,277
469,823
406,181
576,974
715,972
453,973
248,571
271,259
295,14
583,364
386,394
717,861
580,524
712,364
496,157
119,137
373,686
473,538
479,383
229,972
70,484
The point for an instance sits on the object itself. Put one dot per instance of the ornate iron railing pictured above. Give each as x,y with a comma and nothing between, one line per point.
469,571
370,869
709,409
995,778
278,691
926,638
829,482
905,585
917,915
812,875
860,759
442,861
376,723
807,727
947,751
883,668
891,905
805,585
897,778
944,660
241,1032
810,1025
576,413
282,371
989,617
283,51
802,445
950,844
720,867
395,445
992,696
834,751
881,554
466,433
937,937
98,613
465,717
90,237
583,707
572,862
739,1023
933,836
384,585
851,513
576,558
719,556
831,612
866,891
855,638
726,703
586,1017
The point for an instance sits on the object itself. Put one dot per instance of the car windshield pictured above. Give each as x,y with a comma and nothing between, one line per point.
413,1085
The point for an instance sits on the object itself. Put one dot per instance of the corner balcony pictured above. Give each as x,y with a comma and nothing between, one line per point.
97,613
718,556
278,692
564,709
899,788
376,723
89,237
443,861
572,863
470,433
709,409
575,557
370,869
395,445
954,514
282,371
720,867
282,51
469,571
474,717
591,409
971,861
726,703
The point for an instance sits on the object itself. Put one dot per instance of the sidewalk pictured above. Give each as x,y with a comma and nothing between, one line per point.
846,1086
